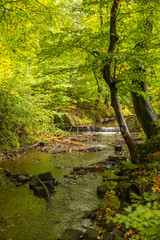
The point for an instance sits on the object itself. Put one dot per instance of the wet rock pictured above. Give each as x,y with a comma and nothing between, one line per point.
118,173
111,226
49,184
42,144
74,139
96,149
83,170
124,190
37,187
23,178
118,148
94,215
71,234
118,233
148,187
107,236
117,158
1,177
107,119
101,191
84,140
3,183
18,184
34,183
124,205
91,234
46,176
39,191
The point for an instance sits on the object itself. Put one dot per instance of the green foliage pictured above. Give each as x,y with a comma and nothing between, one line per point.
53,54
143,218
129,165
20,117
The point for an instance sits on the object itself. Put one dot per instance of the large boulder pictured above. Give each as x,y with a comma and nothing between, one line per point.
91,234
71,234
23,178
124,190
101,191
108,236
37,186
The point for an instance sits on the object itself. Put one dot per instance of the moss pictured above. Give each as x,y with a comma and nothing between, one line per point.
147,149
62,121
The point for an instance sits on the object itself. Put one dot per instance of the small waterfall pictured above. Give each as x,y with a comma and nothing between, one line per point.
96,129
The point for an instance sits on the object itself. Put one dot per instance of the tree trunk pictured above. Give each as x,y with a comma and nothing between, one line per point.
111,81
122,123
145,112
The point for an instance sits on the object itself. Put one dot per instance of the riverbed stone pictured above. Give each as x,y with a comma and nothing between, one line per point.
1,177
18,184
49,184
71,234
118,233
118,148
124,189
111,226
116,158
39,191
47,179
91,234
148,187
34,183
101,191
23,178
46,176
107,236
3,183
124,204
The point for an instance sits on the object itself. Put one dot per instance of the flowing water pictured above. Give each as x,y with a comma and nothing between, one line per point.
23,215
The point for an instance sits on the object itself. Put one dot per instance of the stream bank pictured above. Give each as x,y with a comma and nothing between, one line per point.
80,175
24,215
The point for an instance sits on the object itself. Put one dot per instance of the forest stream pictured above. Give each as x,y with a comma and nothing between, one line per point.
24,216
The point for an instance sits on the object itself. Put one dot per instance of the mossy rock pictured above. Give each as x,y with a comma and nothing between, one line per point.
71,234
124,189
62,121
132,123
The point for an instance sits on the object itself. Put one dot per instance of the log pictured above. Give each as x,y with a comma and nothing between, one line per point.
49,202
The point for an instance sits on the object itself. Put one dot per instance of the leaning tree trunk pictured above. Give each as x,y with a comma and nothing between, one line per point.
123,126
145,112
142,105
111,81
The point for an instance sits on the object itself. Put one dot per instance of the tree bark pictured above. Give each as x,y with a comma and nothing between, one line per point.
111,81
121,121
143,107
145,112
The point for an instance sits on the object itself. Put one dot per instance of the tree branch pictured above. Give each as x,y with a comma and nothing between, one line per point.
113,39
45,8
